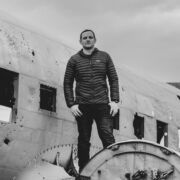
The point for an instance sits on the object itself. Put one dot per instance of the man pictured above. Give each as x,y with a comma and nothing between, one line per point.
89,68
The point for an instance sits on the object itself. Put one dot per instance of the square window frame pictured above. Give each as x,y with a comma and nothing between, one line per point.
51,87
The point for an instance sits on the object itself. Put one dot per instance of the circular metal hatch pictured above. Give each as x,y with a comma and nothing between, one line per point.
133,160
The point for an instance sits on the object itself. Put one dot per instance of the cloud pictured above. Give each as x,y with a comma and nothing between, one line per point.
143,34
19,6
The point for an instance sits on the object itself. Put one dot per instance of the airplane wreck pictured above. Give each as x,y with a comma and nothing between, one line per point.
38,136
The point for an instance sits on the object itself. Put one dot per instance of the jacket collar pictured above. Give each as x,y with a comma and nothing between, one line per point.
81,53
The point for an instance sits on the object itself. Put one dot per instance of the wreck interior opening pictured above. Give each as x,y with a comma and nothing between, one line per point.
8,95
47,98
138,125
162,133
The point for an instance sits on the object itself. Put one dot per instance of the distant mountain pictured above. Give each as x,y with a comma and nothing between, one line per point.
175,84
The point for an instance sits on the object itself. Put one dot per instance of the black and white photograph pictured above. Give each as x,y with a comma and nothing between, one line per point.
89,90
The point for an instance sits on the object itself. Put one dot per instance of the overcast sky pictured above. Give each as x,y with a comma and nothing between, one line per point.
143,35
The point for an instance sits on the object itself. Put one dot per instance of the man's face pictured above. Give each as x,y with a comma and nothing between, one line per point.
87,40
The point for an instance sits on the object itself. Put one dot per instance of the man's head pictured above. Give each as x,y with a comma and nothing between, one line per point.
87,39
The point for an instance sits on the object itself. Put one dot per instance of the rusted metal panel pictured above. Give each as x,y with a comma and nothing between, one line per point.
144,105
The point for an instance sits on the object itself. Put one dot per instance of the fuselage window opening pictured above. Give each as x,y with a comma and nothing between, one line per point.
162,133
138,125
47,98
8,94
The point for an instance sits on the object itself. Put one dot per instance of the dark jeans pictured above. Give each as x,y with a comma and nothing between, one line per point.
101,114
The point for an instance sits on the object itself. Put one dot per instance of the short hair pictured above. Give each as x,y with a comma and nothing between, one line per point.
86,31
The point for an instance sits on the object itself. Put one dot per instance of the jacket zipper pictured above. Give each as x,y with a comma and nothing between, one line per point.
90,62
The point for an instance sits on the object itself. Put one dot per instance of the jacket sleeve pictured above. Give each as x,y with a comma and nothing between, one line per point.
68,83
113,80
